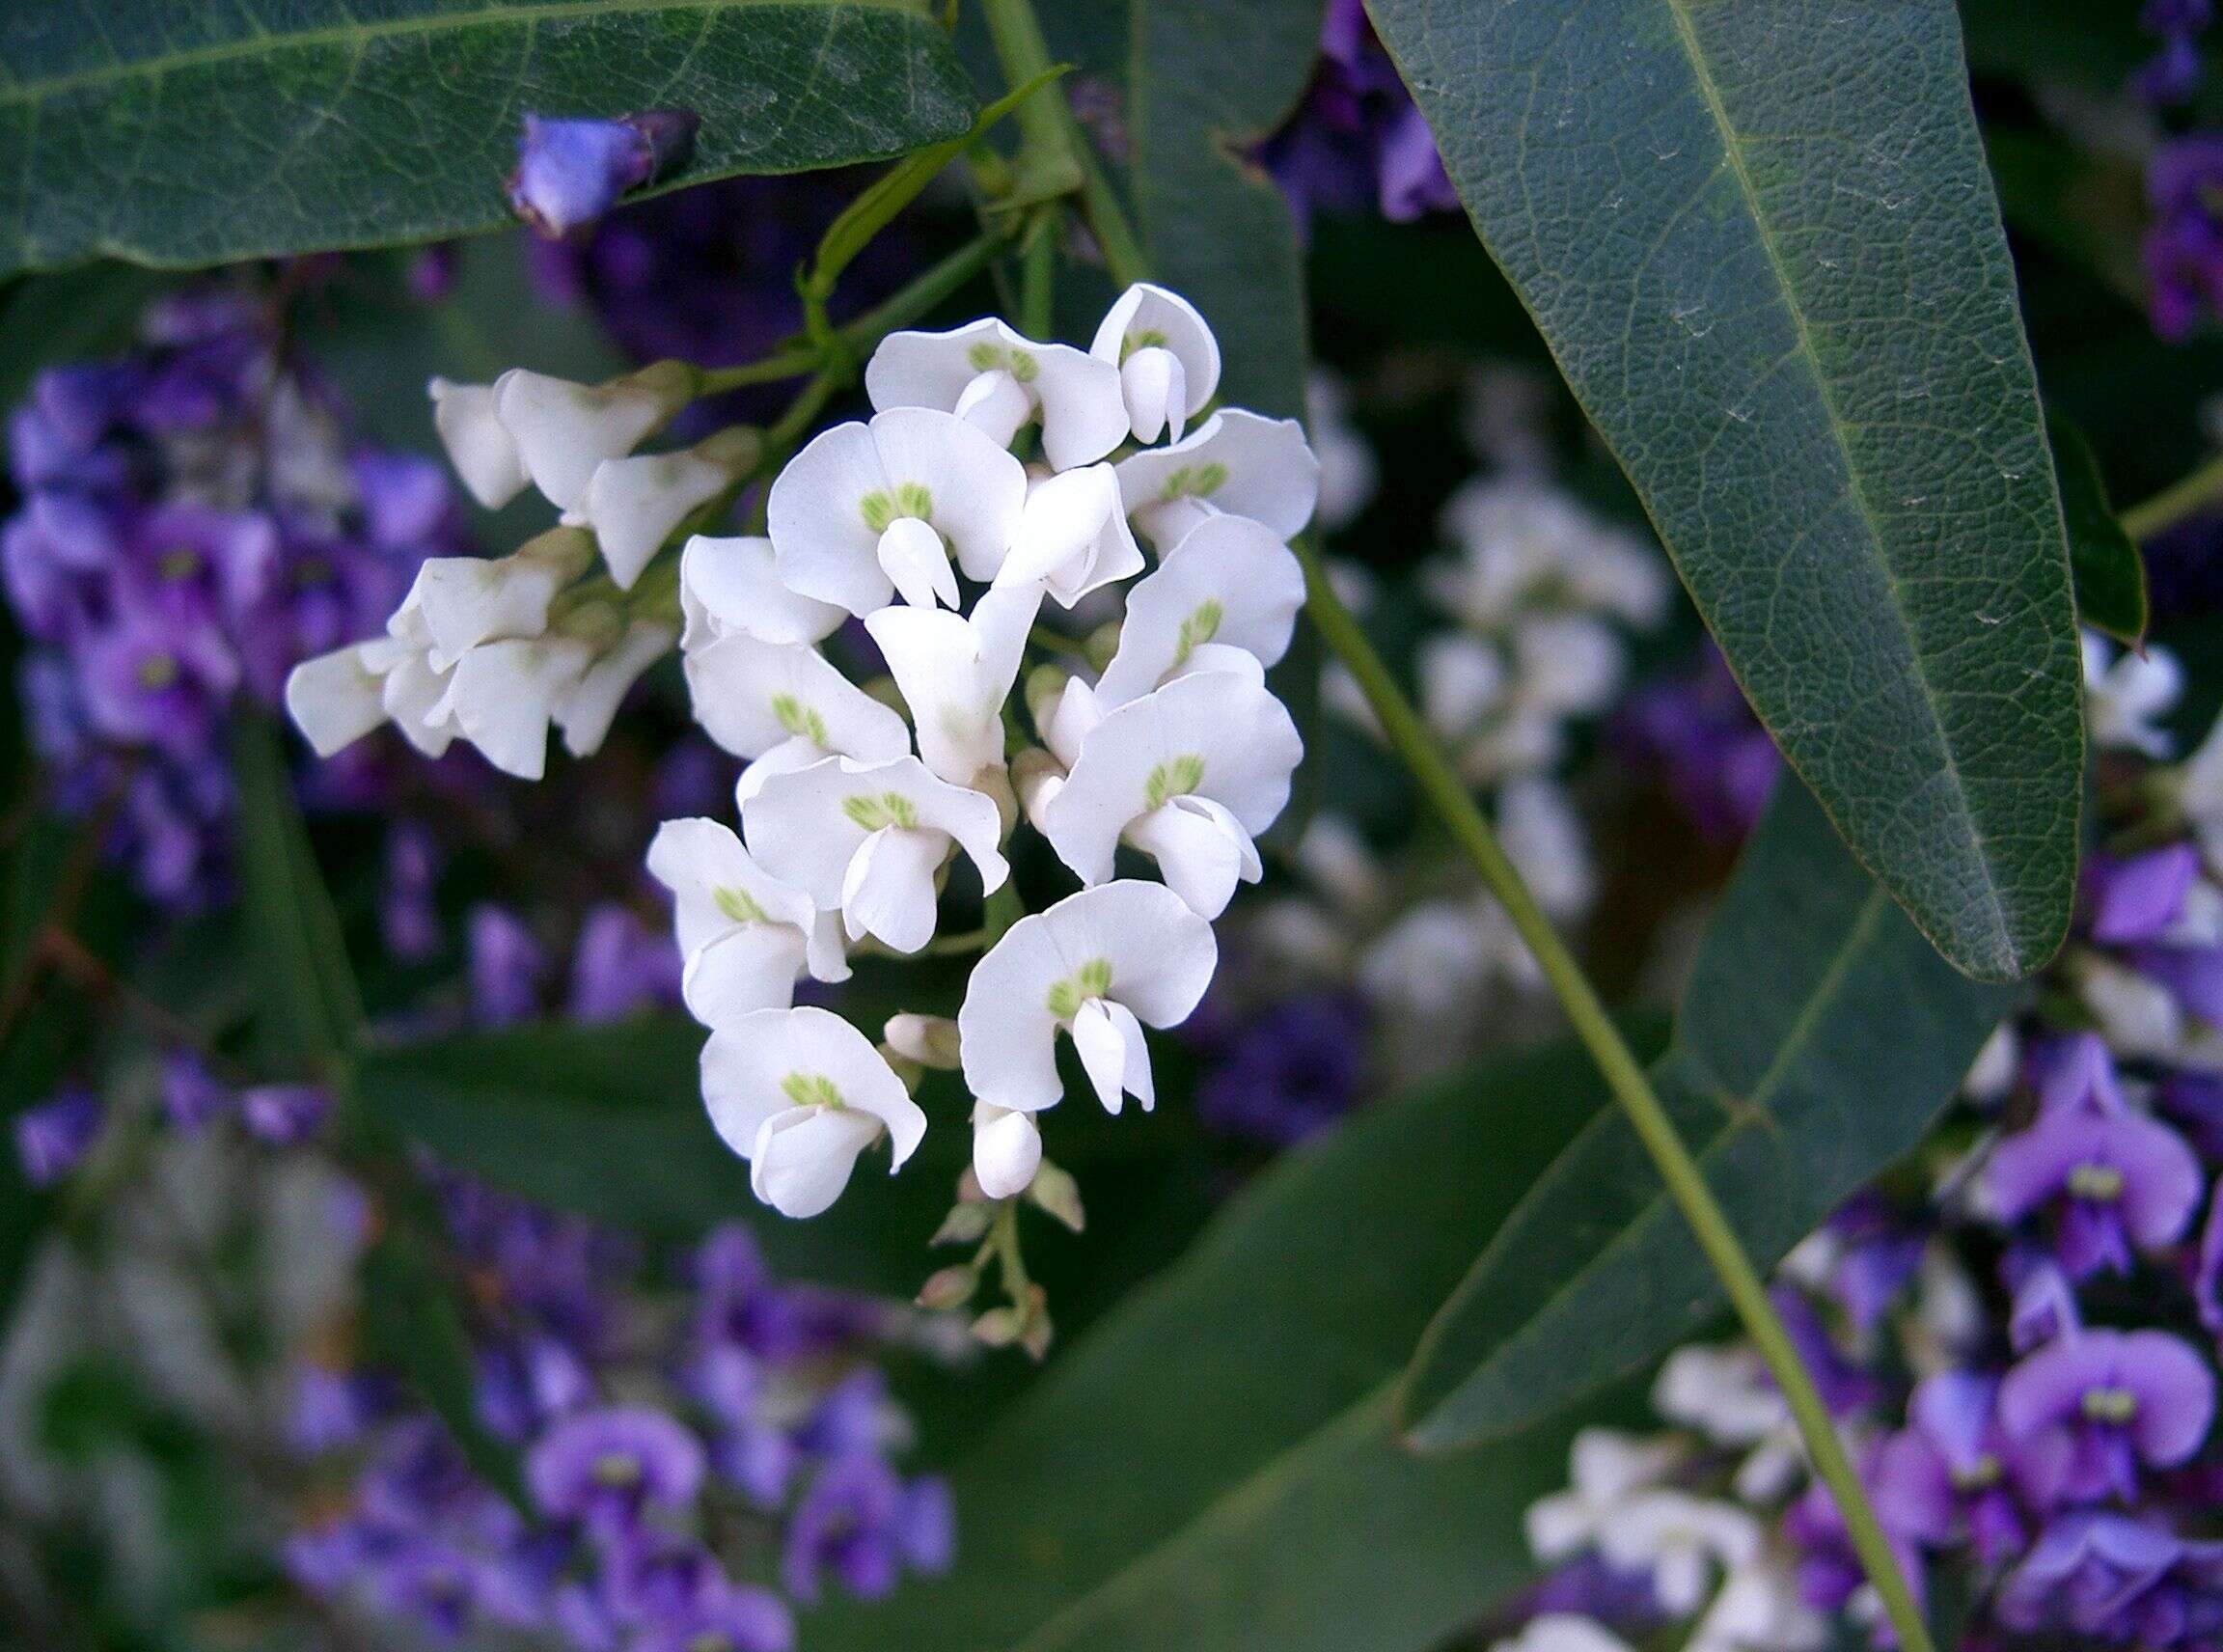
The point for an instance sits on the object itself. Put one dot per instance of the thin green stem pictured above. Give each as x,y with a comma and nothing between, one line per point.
1037,280
1686,1183
1049,163
2183,499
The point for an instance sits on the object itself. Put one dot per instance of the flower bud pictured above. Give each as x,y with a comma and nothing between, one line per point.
930,1040
1056,1193
947,1288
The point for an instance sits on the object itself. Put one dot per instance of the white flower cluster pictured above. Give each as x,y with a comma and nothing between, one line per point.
855,817
496,651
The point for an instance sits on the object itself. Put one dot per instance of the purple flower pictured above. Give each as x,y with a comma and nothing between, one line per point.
2193,975
2086,1410
2113,1181
1718,761
2045,1307
2112,1577
284,1115
570,171
328,1410
2184,244
53,1137
408,920
720,1616
860,1522
2138,898
1883,1247
620,966
1287,1072
605,1466
507,967
2074,1072
150,681
1946,1478
191,1094
1358,142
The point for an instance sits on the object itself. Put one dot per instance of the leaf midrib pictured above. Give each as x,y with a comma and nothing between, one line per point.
1758,1103
1701,68
531,13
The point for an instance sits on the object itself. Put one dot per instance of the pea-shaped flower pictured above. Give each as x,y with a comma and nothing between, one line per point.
563,430
1073,536
1229,584
785,704
868,509
955,673
868,839
1167,359
634,503
800,1094
745,935
1233,464
478,444
1189,774
1000,380
1099,965
730,587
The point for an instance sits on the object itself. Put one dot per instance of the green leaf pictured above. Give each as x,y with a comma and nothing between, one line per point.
1212,1468
91,312
1206,83
195,134
1760,239
1807,973
309,1015
2110,573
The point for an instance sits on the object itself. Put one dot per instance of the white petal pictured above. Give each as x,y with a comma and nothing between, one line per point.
802,1159
1083,414
1007,1036
416,698
334,700
1569,664
1073,535
478,445
977,489
995,405
888,887
1006,1151
747,1066
1462,681
501,697
930,1040
815,515
752,695
734,585
1201,850
463,601
807,826
708,872
1153,388
1147,315
955,674
1235,463
934,369
1076,711
917,563
998,379
1114,1053
563,430
1544,837
787,757
1214,736
750,967
1229,581
634,503
586,710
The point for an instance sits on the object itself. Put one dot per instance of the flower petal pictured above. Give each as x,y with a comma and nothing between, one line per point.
1236,463
752,695
1230,581
734,585
975,488
816,516
481,451
750,967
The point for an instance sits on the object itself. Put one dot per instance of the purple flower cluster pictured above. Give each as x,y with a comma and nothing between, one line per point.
1284,1072
1699,736
1357,143
54,1138
622,964
2184,244
672,1445
194,521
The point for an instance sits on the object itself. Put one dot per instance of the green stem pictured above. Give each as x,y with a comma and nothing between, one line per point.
1686,1183
1037,278
2185,498
1049,163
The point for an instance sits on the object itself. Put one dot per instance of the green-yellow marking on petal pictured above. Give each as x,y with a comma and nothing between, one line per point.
811,1089
1178,777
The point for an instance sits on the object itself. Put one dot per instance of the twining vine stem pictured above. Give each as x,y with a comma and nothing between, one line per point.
2183,499
1019,44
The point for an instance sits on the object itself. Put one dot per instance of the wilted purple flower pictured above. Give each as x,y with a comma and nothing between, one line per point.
2113,1181
1946,1477
284,1115
570,171
53,1137
2085,1411
605,1466
2045,1307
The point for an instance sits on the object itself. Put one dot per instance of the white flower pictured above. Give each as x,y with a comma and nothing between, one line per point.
2199,782
1167,359
564,431
2124,694
868,839
414,693
1228,583
588,707
1190,774
479,447
1722,1392
729,587
502,695
1073,536
1758,1609
634,505
1236,464
1006,1149
745,935
1348,472
1680,1541
1605,1469
1543,839
1562,1631
1525,542
335,699
998,379
955,673
1462,680
866,509
754,698
800,1094
1991,1077
464,601
2140,1018
1100,965
1565,664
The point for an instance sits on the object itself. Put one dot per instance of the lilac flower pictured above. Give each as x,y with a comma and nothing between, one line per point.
1883,1247
621,966
2173,75
860,1522
507,967
1356,143
191,1094
1718,761
53,1137
2074,1072
570,171
284,1115
2193,975
2116,1578
2138,898
1948,1475
605,1466
1287,1072
2086,1410
2184,244
721,1616
2112,1181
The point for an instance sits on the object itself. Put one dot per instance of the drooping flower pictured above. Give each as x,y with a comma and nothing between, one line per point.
996,378
464,601
478,444
1098,965
800,1094
746,936
867,839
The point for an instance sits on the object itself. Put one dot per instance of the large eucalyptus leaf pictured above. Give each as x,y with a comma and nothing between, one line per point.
1761,241
1211,1470
1204,84
1819,1036
193,134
